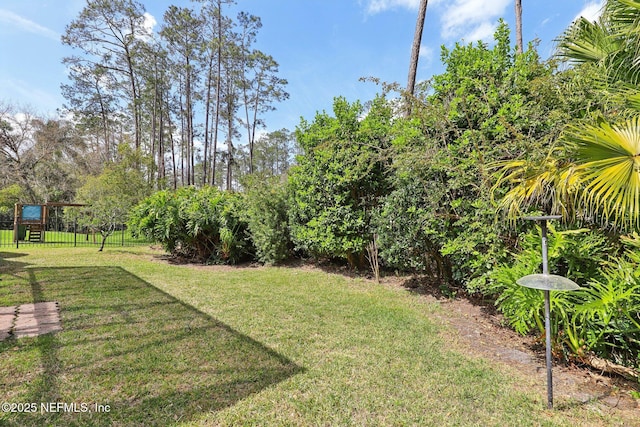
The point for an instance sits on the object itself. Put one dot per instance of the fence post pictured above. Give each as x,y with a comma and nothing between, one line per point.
75,233
122,235
16,212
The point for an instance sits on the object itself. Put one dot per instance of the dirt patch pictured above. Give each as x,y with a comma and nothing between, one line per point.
480,332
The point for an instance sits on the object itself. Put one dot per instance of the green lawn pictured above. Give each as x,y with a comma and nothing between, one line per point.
161,344
53,238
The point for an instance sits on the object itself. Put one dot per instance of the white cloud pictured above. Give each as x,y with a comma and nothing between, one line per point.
425,51
467,19
149,22
471,19
377,6
484,31
148,25
27,25
591,11
545,21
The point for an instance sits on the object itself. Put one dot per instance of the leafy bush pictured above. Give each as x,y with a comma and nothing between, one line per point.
577,255
607,316
405,239
602,317
201,224
488,106
339,180
266,215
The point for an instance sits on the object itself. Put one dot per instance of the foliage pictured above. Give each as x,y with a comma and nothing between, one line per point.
489,105
110,197
608,167
405,240
202,224
197,77
43,156
593,173
273,153
610,44
577,255
606,316
591,177
9,196
601,317
339,180
265,201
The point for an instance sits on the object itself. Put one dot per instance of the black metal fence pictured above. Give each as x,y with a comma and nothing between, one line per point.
70,234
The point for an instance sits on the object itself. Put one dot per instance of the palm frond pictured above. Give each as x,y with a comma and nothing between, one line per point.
587,42
608,165
550,186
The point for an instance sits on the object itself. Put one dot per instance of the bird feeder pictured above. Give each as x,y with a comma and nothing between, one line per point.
547,282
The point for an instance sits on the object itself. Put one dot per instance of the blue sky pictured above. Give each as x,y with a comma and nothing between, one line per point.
323,46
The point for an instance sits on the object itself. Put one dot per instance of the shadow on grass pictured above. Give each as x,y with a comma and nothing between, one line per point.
149,358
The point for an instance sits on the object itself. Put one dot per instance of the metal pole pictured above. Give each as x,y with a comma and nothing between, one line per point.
547,315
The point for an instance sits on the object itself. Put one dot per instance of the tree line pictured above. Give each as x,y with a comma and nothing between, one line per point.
189,99
183,95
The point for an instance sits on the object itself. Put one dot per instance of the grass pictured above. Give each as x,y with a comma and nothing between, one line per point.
162,344
53,238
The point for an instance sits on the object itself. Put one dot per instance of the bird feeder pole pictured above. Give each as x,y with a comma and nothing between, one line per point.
547,282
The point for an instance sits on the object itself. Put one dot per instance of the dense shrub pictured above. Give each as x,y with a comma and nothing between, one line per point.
602,317
265,200
576,255
489,105
201,224
406,241
338,182
606,318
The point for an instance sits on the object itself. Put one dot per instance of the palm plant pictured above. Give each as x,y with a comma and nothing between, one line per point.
608,169
612,42
595,173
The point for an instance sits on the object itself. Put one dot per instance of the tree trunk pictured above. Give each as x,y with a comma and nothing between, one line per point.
104,240
519,45
191,179
173,152
415,52
207,112
218,98
135,103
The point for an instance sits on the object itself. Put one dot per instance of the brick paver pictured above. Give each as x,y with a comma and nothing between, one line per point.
29,320
7,314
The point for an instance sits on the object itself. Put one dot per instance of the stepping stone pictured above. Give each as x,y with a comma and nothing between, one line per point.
30,320
8,310
37,319
7,314
39,307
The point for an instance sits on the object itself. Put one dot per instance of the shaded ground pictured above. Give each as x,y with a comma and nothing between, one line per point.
480,332
145,356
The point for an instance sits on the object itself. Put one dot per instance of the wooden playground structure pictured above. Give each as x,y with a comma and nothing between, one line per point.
30,221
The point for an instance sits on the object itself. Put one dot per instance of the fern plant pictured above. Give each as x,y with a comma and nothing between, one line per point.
576,254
